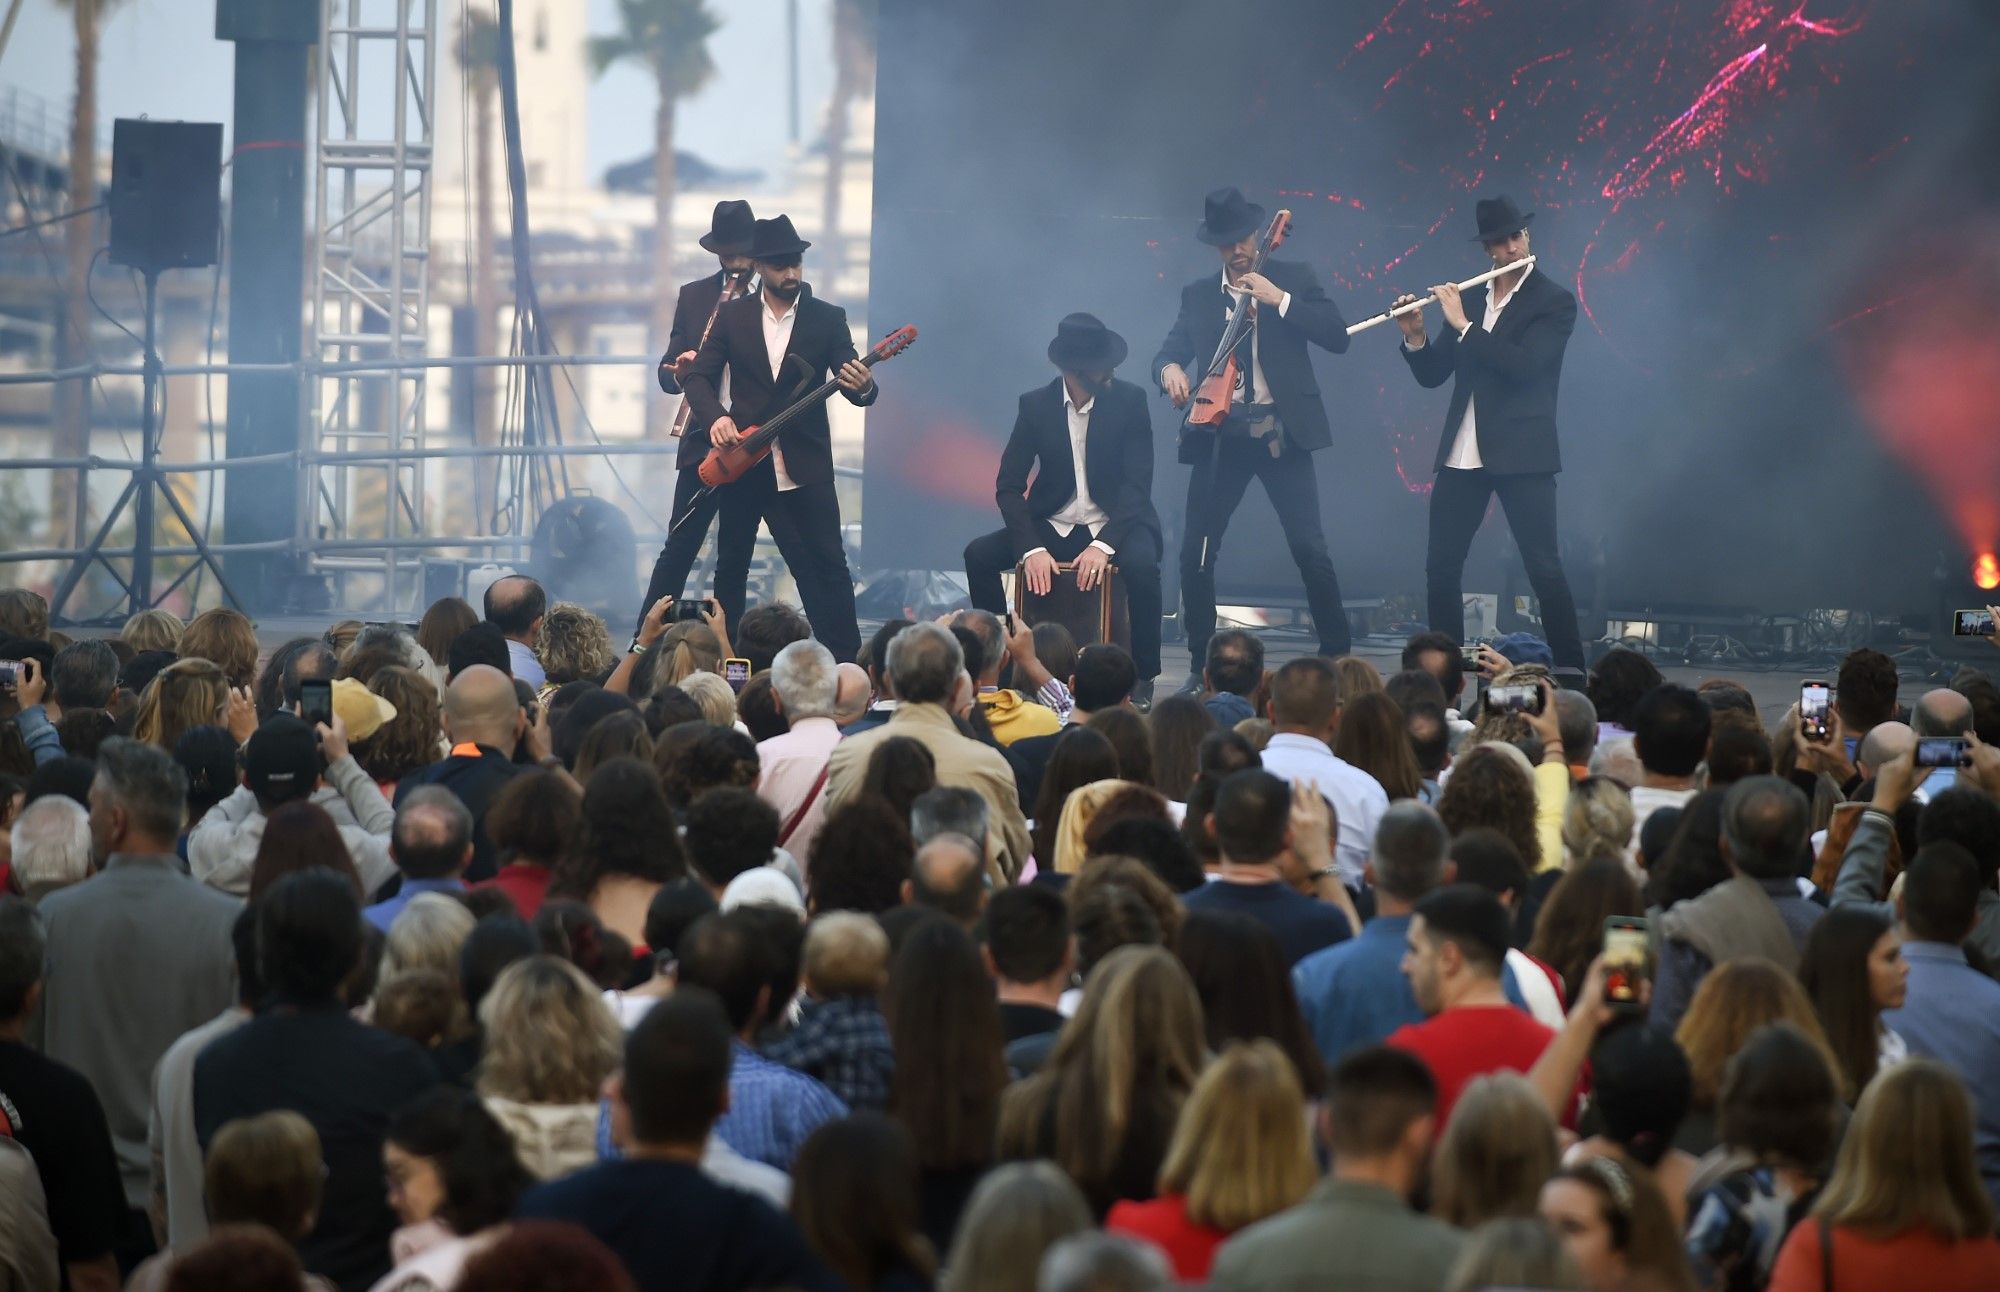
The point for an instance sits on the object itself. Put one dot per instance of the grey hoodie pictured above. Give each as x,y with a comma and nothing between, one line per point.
223,846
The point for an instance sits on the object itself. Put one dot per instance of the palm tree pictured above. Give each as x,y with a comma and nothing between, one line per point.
70,406
670,38
853,70
479,57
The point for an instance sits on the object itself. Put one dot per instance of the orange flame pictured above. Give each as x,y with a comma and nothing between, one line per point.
1986,571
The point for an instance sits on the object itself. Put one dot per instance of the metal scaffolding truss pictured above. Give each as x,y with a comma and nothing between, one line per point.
370,294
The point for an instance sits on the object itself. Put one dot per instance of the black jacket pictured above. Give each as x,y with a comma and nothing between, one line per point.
1117,459
1281,349
476,782
690,317
819,338
1514,370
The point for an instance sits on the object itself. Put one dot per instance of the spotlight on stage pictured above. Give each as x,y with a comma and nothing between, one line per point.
1986,572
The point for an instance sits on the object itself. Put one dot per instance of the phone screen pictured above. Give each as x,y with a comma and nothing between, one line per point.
1972,623
316,701
1626,958
1518,697
1815,701
1941,751
736,672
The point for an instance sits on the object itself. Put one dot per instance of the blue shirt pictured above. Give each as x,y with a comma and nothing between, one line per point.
772,1109
1354,994
521,660
844,1043
1301,924
384,912
1952,1014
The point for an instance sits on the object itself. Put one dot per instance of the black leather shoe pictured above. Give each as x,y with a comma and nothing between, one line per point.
1142,695
1192,686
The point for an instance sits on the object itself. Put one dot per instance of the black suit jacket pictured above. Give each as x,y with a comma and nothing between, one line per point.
1281,349
1117,461
820,340
1514,370
690,317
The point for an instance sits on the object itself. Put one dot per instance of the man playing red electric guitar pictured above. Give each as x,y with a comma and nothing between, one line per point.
776,345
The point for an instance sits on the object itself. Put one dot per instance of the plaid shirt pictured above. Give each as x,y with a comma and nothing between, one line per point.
845,1043
772,1109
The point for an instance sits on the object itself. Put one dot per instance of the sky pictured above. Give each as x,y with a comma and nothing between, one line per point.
161,59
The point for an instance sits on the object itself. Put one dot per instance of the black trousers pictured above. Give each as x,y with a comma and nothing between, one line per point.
735,543
1292,485
1458,505
805,522
1138,562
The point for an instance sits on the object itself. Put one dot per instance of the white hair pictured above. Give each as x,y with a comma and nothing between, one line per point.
1101,1262
51,841
1618,759
806,679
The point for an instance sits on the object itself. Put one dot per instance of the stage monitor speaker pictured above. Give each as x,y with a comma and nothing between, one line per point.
166,194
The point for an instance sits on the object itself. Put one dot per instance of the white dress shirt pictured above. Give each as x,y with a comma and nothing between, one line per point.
777,340
1255,390
1358,799
1465,446
1082,508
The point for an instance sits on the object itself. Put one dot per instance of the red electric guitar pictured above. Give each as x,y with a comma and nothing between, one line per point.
726,466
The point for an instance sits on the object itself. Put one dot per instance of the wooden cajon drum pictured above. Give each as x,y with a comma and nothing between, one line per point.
1099,615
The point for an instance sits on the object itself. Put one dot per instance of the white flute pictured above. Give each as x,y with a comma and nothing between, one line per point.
1401,310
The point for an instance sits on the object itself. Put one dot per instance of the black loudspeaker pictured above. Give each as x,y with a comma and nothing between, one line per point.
166,194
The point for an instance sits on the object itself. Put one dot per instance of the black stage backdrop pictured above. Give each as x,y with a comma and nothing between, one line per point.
1779,217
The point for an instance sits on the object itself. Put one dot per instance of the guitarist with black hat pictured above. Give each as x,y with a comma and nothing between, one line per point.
1276,419
776,345
728,239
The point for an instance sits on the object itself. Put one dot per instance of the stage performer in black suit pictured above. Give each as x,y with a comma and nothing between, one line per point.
1276,420
1505,346
777,345
1092,499
728,238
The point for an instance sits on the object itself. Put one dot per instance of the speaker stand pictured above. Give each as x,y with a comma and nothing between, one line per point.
139,494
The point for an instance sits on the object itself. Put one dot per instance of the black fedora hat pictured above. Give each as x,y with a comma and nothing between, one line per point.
1227,218
777,239
1498,217
730,229
1084,344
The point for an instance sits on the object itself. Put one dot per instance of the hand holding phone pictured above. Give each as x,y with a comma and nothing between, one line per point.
1943,751
1516,697
1815,704
1972,623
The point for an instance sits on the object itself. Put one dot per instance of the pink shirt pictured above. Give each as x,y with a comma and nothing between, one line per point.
790,765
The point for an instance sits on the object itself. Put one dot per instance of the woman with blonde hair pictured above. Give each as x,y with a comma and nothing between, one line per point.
1079,809
1905,1206
1734,1000
153,630
717,700
550,1043
687,649
186,694
1240,1152
1104,1106
1597,821
225,638
1016,1214
1497,1149
574,646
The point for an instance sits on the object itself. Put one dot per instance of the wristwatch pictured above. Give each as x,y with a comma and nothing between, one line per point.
1327,872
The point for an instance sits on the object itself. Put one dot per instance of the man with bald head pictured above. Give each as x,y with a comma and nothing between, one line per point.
853,694
432,844
485,724
515,605
949,877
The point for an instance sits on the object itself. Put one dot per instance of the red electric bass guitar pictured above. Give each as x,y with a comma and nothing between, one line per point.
1210,405
726,466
